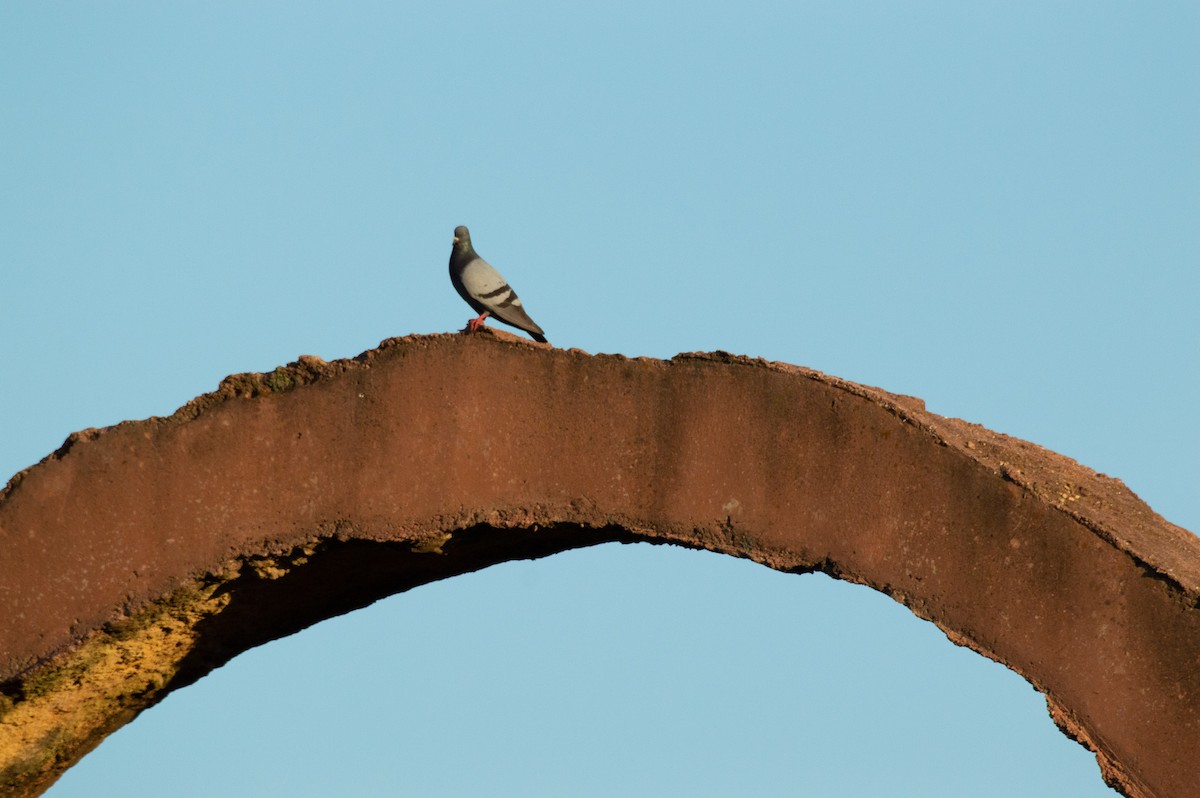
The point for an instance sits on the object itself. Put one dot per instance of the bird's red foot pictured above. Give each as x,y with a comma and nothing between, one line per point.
475,324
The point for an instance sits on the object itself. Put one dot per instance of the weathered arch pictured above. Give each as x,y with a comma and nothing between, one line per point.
139,557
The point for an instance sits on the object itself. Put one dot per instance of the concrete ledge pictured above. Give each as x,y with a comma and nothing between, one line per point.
139,557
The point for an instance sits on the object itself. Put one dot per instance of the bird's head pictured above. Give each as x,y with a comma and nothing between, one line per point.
462,236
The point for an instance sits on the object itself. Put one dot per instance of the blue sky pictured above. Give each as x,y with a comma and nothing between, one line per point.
991,206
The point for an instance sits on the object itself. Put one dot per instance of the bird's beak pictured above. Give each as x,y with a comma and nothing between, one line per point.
456,239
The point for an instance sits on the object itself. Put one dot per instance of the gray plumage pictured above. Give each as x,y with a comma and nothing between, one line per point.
485,290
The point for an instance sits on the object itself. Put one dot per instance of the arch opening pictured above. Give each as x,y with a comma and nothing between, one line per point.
653,670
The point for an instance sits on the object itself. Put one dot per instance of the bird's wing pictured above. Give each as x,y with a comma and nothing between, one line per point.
489,289
481,280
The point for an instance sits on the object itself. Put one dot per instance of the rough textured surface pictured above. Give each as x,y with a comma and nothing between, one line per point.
138,557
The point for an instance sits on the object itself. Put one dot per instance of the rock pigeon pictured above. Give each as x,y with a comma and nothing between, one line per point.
485,290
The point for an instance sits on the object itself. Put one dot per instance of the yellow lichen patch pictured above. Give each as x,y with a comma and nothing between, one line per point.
268,568
70,704
1068,493
431,544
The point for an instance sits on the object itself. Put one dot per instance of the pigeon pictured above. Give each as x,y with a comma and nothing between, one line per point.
485,290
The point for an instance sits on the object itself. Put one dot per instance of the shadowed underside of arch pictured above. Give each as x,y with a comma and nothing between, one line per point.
139,557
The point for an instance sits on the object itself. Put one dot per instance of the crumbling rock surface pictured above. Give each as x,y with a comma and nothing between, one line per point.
137,558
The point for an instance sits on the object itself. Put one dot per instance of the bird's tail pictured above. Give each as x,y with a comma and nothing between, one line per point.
541,339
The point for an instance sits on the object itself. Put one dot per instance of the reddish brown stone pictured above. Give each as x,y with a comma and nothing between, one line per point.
139,557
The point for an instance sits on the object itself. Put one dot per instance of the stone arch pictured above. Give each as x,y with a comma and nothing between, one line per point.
289,497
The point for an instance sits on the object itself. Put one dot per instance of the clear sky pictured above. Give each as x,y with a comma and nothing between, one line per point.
992,206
